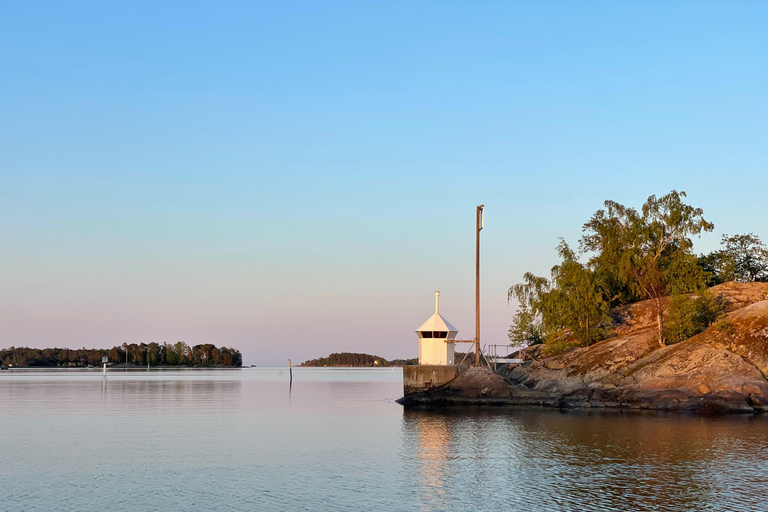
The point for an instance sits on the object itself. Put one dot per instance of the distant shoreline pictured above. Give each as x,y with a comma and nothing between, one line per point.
115,368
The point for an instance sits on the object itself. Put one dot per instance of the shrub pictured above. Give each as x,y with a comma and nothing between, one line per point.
558,345
724,325
690,315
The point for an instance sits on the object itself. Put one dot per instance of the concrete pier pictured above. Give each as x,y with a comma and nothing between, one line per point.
425,376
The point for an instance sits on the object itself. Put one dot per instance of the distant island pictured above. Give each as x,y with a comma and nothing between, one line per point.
357,360
128,354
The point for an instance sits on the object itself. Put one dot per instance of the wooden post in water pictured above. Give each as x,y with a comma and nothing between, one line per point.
290,371
479,225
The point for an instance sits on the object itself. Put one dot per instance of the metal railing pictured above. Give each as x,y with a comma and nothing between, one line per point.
501,354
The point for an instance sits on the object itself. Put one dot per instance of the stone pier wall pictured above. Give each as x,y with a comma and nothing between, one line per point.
425,376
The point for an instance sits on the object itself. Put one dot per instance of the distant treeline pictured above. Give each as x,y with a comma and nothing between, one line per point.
356,359
153,354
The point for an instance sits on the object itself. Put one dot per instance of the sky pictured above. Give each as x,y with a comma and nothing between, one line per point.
297,178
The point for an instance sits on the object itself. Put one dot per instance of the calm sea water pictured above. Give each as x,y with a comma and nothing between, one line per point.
244,440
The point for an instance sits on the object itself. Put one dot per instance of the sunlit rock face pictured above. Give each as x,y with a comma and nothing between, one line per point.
722,369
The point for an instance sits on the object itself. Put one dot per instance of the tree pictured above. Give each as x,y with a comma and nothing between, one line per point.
649,252
337,359
749,257
171,357
577,298
527,324
237,357
226,356
718,267
573,298
135,353
692,314
525,328
153,353
183,352
94,357
115,355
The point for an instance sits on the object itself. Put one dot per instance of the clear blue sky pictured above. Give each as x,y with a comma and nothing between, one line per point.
297,178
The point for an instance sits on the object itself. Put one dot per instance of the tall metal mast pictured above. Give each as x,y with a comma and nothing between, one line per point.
479,221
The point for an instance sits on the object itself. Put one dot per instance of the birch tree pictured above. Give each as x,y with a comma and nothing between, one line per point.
649,251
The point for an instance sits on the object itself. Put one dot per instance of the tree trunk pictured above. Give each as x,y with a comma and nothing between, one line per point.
660,321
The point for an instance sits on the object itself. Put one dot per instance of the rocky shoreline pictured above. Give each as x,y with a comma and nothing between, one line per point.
721,370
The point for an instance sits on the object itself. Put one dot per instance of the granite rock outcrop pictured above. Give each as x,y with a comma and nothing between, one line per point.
721,370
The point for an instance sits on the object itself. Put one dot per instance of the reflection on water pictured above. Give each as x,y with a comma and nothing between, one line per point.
551,460
335,440
432,439
122,397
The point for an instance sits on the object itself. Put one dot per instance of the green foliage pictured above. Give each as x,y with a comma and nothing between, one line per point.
634,255
140,354
648,252
359,359
690,315
573,298
347,359
748,256
525,328
577,299
724,325
33,357
742,258
529,325
680,321
170,357
718,267
560,345
684,275
709,308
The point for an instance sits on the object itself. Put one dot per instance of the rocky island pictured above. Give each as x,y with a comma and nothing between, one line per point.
720,370
634,319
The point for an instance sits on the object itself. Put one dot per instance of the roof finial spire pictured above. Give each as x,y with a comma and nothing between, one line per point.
437,301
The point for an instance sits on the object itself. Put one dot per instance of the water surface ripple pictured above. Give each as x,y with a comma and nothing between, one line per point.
336,441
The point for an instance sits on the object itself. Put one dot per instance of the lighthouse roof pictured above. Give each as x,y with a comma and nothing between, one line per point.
437,323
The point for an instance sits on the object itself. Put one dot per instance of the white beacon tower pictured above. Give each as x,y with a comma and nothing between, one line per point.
436,337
